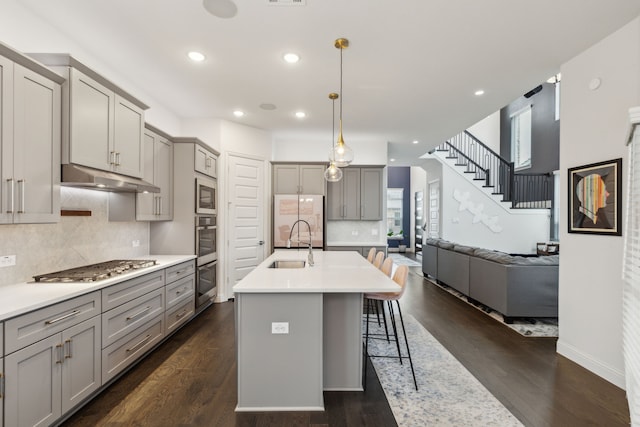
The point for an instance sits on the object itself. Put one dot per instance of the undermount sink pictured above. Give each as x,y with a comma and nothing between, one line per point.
282,263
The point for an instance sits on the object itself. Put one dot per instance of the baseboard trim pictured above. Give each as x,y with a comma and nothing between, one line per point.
614,376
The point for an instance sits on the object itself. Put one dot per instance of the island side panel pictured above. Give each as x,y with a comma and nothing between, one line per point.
279,372
343,341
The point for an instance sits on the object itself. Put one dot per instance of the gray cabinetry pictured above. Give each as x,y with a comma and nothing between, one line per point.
102,124
357,196
132,321
298,178
55,373
158,169
29,145
205,161
180,295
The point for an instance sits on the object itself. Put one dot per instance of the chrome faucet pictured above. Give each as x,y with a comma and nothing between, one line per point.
310,257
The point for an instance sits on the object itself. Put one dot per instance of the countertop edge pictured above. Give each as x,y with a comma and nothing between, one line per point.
22,298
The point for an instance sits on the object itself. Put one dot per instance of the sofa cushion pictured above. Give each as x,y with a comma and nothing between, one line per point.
445,244
432,241
541,260
468,250
495,256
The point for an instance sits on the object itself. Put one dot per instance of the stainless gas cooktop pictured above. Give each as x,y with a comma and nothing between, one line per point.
95,272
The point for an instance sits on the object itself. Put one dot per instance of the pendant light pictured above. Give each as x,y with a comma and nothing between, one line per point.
341,154
333,173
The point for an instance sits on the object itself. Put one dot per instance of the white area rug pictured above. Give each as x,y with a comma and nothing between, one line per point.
533,327
403,260
448,395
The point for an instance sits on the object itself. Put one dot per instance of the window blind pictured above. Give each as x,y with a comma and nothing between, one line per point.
631,278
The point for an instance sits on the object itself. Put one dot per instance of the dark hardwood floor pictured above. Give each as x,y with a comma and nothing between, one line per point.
190,380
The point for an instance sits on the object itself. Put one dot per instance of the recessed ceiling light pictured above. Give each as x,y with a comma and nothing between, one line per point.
393,160
196,56
238,113
479,92
301,114
291,58
415,141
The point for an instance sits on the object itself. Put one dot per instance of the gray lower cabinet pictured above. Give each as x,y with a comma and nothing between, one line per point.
357,196
180,295
363,250
52,375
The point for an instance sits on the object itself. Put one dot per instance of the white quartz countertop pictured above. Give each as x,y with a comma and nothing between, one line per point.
332,272
20,298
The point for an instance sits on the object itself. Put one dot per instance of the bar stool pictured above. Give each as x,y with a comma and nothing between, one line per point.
400,277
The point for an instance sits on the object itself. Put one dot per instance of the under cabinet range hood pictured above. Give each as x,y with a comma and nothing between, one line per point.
94,179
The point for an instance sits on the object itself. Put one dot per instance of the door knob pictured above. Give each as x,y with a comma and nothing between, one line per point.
261,242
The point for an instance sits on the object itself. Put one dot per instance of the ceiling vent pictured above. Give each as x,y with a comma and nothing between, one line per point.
287,2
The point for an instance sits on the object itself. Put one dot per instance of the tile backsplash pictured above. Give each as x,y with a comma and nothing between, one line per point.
74,241
356,232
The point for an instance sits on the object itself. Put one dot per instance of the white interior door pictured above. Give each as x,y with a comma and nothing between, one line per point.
246,217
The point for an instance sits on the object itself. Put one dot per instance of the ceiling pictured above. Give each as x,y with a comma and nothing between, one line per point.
410,72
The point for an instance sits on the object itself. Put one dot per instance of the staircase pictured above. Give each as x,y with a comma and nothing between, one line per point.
497,175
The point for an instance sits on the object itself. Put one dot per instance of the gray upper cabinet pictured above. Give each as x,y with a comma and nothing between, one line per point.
205,161
357,196
158,169
298,179
102,124
29,144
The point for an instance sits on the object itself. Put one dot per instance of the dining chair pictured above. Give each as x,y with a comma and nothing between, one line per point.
377,261
400,277
371,255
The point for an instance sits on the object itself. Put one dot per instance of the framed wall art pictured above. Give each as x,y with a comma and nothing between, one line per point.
595,196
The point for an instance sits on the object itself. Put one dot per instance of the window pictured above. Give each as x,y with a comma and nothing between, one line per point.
521,138
395,198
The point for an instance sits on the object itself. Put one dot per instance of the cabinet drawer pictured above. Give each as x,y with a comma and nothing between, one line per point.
116,295
180,290
180,314
122,320
129,348
24,330
181,270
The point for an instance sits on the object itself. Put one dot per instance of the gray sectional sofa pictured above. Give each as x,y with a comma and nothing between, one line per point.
516,286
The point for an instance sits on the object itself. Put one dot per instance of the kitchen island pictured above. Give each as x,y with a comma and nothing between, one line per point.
299,330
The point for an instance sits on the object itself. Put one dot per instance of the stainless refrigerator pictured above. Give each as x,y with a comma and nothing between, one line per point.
289,208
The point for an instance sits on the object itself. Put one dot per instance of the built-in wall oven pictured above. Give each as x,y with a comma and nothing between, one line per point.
207,258
206,201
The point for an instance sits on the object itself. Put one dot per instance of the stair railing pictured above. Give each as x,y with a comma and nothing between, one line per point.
522,190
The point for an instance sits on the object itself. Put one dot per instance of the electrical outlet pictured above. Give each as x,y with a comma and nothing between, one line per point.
279,327
7,260
374,231
354,232
135,243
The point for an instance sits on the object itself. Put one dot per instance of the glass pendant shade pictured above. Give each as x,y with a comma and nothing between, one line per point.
341,153
333,173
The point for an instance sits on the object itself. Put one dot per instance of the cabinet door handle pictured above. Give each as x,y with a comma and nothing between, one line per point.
58,319
112,157
67,344
159,205
181,315
1,385
22,189
139,344
117,158
60,355
144,310
11,195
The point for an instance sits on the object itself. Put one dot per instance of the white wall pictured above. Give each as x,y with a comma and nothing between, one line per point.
593,127
487,131
367,152
468,223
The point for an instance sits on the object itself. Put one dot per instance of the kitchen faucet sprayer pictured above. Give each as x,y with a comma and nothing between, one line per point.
310,257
